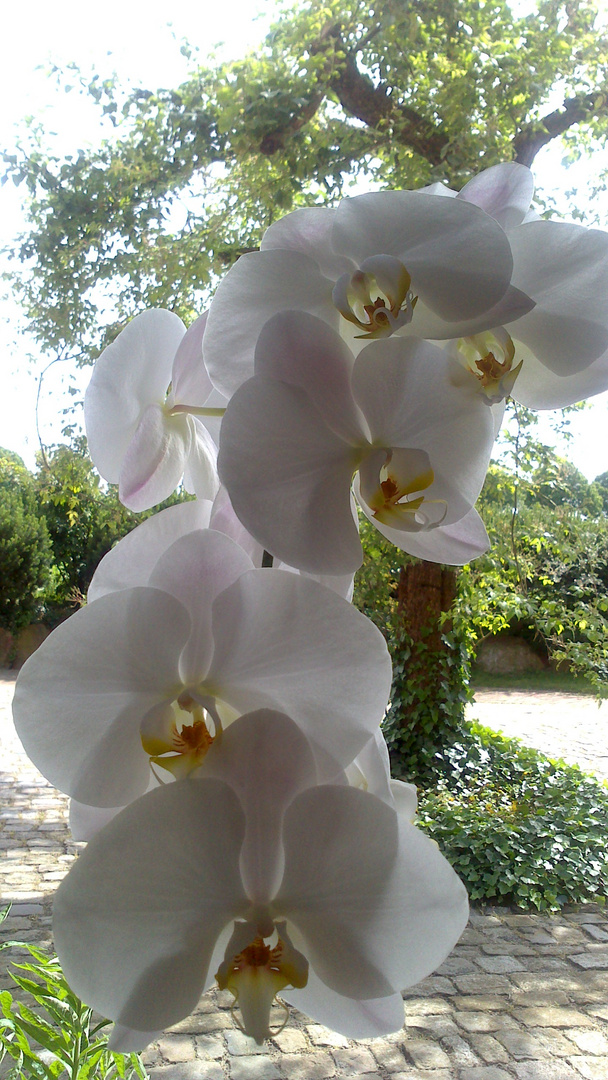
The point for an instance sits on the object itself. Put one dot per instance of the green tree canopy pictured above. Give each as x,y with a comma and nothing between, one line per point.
393,94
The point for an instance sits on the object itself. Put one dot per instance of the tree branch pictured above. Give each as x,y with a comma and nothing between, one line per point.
359,98
576,110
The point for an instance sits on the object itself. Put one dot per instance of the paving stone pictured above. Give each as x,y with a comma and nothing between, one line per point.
290,1040
322,1036
522,1045
486,1072
175,1048
459,1050
552,1017
189,1070
355,1060
591,1068
479,1002
316,1066
594,931
591,960
478,1021
587,1040
208,1046
388,1056
426,1054
426,1006
254,1068
545,1070
554,1041
489,1049
240,1044
481,984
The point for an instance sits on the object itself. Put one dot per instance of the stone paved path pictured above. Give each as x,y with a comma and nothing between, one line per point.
522,997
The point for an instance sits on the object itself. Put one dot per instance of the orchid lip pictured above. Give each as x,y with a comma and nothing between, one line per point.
489,357
376,297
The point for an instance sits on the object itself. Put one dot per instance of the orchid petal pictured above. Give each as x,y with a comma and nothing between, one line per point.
565,269
309,231
293,494
454,544
504,191
373,898
224,520
195,570
80,698
154,462
301,350
85,820
355,1019
190,382
458,257
539,388
200,474
256,287
132,373
286,643
283,766
136,946
131,561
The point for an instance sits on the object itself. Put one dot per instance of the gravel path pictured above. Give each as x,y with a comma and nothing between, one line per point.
522,997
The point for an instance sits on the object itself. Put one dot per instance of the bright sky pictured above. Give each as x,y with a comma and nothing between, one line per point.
143,49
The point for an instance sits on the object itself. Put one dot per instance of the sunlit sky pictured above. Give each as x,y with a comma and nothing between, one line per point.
142,44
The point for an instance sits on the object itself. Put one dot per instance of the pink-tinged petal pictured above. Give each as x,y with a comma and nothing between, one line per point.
284,642
80,698
454,544
138,916
195,570
309,231
133,558
375,901
503,191
293,493
190,382
256,288
458,257
132,373
539,388
224,520
354,1019
155,460
301,350
200,473
564,268
283,766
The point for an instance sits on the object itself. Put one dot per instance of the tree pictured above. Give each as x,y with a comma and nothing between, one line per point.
392,94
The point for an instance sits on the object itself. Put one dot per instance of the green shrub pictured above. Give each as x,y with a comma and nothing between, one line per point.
516,826
56,1036
25,551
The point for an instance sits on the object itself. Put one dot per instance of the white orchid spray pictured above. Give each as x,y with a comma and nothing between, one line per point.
215,720
261,879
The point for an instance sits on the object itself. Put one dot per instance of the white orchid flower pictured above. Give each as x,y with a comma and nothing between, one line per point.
317,415
152,675
383,263
557,353
265,881
147,410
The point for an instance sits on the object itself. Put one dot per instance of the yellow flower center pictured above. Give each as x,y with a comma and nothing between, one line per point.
377,297
398,500
255,976
489,357
177,736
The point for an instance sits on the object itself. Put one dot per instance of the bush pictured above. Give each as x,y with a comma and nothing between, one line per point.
516,826
25,548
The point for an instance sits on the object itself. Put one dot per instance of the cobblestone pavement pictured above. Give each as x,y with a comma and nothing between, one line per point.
522,997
